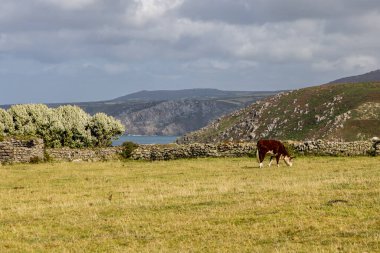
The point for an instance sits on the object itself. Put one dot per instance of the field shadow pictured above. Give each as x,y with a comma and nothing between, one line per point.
250,167
336,201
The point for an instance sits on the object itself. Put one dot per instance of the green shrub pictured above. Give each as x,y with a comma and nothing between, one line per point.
252,154
47,157
128,148
36,160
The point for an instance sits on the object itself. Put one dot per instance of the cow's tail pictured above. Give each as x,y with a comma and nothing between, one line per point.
258,155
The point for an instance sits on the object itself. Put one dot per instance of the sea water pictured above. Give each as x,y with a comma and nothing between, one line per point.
142,139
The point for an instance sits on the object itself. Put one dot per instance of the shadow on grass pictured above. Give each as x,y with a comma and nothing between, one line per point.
250,167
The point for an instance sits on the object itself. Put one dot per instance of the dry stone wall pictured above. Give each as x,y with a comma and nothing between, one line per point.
83,154
174,151
23,151
326,148
198,150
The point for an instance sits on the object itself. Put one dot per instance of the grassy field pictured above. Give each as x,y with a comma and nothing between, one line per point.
206,205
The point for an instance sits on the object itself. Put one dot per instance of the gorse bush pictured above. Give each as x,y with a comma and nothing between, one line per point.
65,126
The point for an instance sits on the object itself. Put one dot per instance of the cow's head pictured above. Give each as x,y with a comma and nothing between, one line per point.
288,160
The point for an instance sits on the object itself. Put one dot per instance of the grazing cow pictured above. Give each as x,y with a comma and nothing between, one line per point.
275,149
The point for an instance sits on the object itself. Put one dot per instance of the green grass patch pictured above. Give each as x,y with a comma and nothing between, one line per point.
202,205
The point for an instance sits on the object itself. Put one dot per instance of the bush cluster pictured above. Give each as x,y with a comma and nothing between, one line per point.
65,126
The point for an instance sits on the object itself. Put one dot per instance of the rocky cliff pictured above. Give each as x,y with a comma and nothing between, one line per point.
175,117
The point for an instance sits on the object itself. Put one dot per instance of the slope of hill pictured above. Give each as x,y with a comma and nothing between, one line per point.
335,111
373,76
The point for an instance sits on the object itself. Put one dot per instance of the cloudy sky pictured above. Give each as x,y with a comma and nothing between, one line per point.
86,50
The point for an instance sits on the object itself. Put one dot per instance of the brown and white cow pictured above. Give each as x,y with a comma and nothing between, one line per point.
275,149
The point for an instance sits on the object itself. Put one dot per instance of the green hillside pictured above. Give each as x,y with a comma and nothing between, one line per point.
333,111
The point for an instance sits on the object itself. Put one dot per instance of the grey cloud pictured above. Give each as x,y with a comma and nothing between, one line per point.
264,11
112,47
36,15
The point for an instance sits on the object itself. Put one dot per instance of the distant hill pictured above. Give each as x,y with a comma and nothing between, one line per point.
332,112
199,94
373,76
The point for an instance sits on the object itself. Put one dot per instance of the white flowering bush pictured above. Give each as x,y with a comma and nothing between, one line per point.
30,119
65,126
105,129
52,134
76,126
6,123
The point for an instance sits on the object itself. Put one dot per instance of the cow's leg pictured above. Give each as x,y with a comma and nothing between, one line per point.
270,161
278,160
260,157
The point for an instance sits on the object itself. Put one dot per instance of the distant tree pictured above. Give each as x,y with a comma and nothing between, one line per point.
105,128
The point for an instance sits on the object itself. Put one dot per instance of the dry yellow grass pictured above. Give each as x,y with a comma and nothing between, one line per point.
205,205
